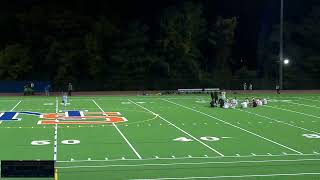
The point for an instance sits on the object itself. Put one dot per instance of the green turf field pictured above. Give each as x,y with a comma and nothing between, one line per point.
168,137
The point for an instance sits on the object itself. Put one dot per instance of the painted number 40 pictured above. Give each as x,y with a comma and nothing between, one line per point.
47,142
312,136
205,138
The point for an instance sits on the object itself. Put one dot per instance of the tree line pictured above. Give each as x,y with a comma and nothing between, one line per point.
182,47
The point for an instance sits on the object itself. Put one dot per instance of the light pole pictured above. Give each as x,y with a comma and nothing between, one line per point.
281,47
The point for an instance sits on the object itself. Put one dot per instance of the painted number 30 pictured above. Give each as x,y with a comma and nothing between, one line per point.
47,142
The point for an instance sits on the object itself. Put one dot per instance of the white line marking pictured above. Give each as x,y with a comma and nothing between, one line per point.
237,176
15,106
55,146
293,111
235,126
130,145
272,119
306,105
307,99
190,157
179,129
194,163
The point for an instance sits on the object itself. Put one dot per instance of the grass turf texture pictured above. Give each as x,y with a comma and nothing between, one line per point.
277,141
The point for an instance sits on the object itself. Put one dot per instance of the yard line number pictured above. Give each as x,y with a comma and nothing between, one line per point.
204,138
47,142
312,136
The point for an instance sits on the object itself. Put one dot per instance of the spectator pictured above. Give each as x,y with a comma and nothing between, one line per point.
278,89
244,86
70,89
47,90
250,87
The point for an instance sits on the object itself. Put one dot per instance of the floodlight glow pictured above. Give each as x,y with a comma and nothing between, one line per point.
286,61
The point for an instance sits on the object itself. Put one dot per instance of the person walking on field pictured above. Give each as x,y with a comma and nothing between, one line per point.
250,87
70,89
244,86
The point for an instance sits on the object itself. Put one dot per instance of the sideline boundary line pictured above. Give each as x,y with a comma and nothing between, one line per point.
236,176
182,163
190,158
179,129
252,133
123,136
55,148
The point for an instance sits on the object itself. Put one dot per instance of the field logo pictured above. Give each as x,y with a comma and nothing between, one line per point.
82,117
68,117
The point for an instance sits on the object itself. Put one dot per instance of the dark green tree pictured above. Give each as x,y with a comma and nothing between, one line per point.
183,33
221,40
15,62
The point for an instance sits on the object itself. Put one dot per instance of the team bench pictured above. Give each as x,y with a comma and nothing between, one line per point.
198,90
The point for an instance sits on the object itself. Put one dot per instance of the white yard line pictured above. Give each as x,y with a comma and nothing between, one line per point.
209,147
189,158
293,111
55,147
275,120
307,99
252,133
13,108
16,105
184,163
123,136
306,105
235,176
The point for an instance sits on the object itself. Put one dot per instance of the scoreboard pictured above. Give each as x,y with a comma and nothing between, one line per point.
27,169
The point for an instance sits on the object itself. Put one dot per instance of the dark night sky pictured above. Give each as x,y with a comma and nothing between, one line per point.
251,15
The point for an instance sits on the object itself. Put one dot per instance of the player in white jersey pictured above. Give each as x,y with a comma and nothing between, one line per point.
65,99
234,103
259,102
226,104
223,95
264,101
244,104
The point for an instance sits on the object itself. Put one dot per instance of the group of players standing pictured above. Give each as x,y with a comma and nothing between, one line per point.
220,100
